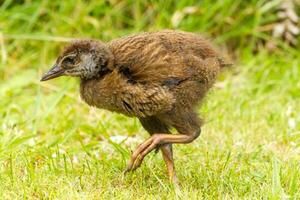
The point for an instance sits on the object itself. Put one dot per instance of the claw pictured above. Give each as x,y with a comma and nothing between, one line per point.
126,171
140,153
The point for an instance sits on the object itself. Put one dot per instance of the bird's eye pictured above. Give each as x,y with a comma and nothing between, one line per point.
69,61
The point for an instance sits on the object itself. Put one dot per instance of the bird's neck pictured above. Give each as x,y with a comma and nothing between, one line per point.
99,93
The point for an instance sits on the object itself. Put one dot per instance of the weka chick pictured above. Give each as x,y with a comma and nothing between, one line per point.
158,77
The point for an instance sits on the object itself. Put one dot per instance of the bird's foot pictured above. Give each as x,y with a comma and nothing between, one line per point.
139,154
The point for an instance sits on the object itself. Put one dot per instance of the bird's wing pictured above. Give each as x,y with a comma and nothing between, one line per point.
154,73
141,101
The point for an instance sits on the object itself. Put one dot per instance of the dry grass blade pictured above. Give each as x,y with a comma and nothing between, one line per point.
287,28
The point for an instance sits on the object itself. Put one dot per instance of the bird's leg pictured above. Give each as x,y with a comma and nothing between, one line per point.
158,139
167,153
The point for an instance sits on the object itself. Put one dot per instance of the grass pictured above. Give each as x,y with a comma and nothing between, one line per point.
53,146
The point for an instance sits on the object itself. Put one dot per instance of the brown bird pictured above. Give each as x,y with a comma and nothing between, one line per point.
158,77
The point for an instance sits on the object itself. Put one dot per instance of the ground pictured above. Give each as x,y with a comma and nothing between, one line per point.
53,146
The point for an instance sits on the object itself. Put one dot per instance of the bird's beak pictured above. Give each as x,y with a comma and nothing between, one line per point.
54,72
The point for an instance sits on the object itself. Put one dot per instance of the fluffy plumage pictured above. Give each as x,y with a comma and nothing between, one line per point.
159,77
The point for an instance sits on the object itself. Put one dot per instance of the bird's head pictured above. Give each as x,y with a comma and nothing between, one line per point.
83,58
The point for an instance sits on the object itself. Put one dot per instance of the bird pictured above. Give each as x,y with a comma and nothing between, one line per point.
158,77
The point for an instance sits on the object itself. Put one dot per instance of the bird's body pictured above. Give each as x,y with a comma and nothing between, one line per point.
153,72
159,77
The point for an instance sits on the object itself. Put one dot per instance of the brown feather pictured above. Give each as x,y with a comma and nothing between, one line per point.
159,77
163,74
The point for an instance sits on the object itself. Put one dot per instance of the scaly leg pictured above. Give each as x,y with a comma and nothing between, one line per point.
186,123
167,153
155,140
154,125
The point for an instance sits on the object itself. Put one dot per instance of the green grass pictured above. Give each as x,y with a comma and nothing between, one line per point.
53,146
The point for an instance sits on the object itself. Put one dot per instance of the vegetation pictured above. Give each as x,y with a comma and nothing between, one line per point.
53,146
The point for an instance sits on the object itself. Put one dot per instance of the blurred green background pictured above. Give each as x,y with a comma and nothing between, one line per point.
53,146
